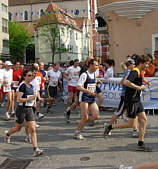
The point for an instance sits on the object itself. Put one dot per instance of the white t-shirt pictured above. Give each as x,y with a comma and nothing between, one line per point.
8,75
83,78
73,73
54,77
35,85
1,76
109,73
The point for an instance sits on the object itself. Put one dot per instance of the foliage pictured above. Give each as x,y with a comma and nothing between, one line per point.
19,38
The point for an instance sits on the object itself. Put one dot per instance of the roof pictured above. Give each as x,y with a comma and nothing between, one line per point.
57,15
30,26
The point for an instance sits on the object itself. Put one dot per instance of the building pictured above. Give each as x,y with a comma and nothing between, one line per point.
61,37
31,10
132,27
4,36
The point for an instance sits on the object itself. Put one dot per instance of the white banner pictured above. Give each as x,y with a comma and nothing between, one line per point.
111,90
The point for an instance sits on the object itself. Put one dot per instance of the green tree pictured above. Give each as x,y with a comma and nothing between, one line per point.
19,38
50,33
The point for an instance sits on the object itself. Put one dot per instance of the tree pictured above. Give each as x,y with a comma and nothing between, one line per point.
19,38
50,33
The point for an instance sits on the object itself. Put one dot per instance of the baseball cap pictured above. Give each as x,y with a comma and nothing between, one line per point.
129,62
8,63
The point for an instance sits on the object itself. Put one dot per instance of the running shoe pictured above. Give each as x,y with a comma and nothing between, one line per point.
27,140
2,104
37,125
143,148
7,116
7,138
106,131
38,152
40,116
67,118
12,114
78,136
135,134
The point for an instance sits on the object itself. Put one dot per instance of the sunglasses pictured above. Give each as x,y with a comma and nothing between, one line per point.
29,75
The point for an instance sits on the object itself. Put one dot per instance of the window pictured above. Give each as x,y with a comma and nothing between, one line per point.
76,12
26,16
41,12
10,16
4,25
76,36
5,43
4,8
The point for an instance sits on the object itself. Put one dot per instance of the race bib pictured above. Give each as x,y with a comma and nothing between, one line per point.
30,103
54,82
91,87
38,79
7,88
15,84
75,77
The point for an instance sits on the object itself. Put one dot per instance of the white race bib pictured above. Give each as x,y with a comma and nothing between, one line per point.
7,88
54,82
31,102
91,87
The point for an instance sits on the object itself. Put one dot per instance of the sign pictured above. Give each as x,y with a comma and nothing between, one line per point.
111,90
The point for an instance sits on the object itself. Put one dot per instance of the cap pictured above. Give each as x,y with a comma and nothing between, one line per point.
129,62
8,63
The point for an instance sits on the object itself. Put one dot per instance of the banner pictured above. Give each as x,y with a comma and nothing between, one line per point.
111,90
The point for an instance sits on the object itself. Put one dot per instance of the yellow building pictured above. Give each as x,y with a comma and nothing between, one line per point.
4,36
132,26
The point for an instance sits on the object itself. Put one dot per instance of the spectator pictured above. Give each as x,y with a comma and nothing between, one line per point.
109,72
155,62
150,70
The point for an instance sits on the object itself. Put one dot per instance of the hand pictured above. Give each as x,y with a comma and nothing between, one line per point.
148,83
31,98
92,94
142,87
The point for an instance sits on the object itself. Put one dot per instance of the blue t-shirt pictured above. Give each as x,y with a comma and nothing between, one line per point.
124,87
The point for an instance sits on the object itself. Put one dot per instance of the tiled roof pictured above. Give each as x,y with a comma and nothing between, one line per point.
57,15
30,26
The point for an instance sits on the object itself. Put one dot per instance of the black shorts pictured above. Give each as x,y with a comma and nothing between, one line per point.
121,107
52,91
24,113
134,108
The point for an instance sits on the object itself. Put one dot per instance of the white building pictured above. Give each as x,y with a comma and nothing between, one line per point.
4,36
71,43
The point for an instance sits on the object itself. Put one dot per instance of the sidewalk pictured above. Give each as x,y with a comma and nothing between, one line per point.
63,152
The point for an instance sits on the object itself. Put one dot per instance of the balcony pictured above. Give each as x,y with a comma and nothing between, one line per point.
129,8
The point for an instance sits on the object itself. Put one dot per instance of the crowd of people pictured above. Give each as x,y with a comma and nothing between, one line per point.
36,86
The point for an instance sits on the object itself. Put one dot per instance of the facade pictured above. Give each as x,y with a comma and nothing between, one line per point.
72,41
31,10
132,27
4,36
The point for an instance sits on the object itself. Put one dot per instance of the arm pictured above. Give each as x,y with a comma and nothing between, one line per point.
22,100
132,85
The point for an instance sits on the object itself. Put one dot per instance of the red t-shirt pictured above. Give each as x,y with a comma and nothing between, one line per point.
16,74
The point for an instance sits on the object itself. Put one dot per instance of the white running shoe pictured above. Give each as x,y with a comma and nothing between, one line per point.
7,138
40,116
37,125
2,104
135,134
38,152
78,136
7,116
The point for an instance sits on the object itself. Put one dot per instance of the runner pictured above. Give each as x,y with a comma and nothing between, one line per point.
24,111
17,74
133,103
6,87
122,107
54,76
1,82
87,87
